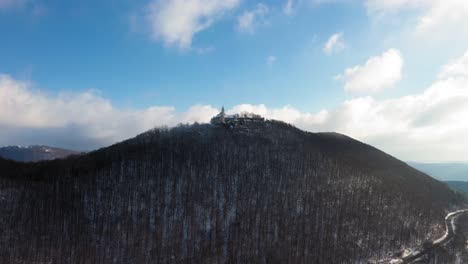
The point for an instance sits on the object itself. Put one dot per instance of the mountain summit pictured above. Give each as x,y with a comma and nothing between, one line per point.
260,192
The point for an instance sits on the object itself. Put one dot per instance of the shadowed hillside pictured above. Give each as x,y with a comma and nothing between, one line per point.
263,192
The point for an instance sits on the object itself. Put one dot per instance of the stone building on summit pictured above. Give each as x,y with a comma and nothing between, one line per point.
223,119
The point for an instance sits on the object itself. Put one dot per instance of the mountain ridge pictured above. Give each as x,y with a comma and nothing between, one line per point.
264,192
35,153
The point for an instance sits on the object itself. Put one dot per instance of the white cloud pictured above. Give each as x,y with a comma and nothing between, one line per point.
334,44
429,126
271,60
377,74
436,14
442,12
250,20
456,69
177,21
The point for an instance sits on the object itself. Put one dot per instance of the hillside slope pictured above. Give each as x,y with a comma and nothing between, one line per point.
261,193
34,153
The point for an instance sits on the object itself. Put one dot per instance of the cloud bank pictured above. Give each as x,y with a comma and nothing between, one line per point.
430,126
436,14
81,121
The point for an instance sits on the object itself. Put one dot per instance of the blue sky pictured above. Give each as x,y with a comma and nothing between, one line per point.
95,46
98,67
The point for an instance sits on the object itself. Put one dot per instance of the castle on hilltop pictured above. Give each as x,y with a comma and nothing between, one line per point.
223,119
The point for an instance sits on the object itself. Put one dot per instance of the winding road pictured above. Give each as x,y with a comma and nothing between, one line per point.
450,223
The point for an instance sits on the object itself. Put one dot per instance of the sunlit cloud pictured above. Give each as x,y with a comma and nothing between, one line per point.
378,73
176,22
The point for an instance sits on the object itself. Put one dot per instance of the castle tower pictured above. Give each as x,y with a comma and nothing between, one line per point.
222,116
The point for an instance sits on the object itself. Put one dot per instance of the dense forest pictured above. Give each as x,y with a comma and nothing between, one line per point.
454,251
263,192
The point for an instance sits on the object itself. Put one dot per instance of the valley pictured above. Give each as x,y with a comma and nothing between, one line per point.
427,248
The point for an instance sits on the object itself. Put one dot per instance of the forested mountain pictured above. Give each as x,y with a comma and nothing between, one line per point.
34,153
263,192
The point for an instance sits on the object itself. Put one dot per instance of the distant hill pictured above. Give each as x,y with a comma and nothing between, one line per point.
444,171
257,192
458,185
34,153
